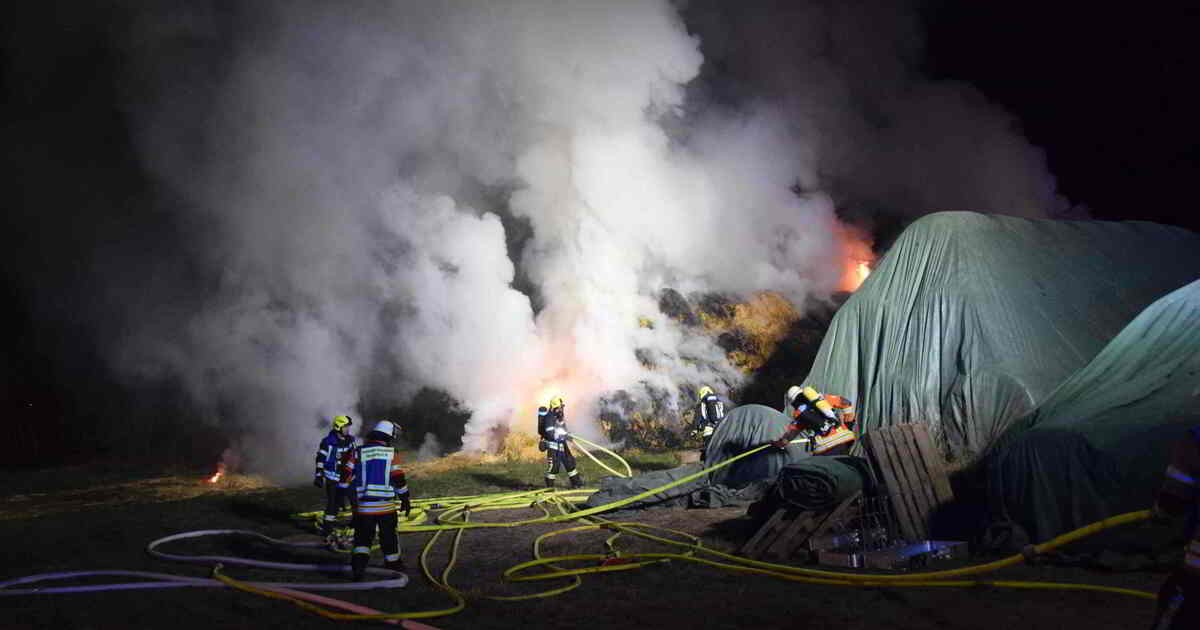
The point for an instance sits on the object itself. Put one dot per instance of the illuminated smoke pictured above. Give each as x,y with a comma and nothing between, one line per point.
351,168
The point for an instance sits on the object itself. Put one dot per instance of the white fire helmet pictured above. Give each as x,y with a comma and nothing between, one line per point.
386,427
791,395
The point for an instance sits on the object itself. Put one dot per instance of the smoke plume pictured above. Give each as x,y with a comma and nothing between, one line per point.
350,175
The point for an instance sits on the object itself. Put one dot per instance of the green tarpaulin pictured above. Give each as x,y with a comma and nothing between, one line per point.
744,428
821,483
614,489
1098,445
971,320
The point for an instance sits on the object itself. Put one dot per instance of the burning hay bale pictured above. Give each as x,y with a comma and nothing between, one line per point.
674,305
651,424
504,445
748,331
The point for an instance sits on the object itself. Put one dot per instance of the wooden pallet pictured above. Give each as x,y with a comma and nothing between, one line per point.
788,530
914,473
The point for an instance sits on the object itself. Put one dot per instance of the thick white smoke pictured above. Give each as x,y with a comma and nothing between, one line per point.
340,162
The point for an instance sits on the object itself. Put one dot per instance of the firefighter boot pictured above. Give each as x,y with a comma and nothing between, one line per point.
549,482
394,565
358,565
576,481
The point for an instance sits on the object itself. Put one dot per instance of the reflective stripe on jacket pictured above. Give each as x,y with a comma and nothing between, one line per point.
840,434
330,452
711,411
377,476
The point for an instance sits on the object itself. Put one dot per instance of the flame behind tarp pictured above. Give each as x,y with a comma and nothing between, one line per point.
857,257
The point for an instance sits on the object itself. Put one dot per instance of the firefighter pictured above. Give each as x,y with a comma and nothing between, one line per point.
710,411
826,419
554,438
329,453
378,480
1179,597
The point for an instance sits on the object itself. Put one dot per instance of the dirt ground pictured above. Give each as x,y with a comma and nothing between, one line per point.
76,529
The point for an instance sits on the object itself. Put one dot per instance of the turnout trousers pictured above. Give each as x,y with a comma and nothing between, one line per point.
365,526
335,498
559,458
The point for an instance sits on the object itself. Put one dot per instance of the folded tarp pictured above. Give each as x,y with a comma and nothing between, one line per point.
821,483
971,320
1099,444
616,488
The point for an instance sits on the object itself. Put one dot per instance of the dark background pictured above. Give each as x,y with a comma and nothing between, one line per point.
1107,92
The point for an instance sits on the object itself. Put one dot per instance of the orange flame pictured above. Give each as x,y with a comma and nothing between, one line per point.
863,270
857,257
217,475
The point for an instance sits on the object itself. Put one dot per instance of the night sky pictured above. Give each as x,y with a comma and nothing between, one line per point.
1107,93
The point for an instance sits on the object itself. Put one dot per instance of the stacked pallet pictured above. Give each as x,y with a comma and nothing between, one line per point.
788,531
913,470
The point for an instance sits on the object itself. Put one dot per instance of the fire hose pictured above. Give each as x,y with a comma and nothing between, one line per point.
456,517
628,471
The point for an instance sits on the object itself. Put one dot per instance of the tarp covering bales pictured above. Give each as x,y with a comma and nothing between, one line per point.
1098,445
971,320
810,481
744,428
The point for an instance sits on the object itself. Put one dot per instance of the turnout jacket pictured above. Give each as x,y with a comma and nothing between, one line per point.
374,471
552,427
828,429
710,411
330,453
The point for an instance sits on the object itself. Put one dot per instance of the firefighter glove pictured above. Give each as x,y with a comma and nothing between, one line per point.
406,504
318,482
781,443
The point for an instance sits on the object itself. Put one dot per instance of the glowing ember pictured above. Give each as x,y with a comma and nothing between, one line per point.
217,475
229,463
864,270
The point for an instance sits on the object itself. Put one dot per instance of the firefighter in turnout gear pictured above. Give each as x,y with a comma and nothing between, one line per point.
552,427
825,419
373,470
710,411
1179,598
329,454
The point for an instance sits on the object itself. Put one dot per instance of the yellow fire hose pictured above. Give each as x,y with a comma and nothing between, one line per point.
456,516
628,471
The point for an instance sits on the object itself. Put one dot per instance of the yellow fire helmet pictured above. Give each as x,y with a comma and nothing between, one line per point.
556,403
341,422
704,391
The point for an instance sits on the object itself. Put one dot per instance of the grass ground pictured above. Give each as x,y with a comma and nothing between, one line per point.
91,518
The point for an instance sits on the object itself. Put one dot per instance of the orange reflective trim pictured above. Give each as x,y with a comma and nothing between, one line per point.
838,402
840,435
